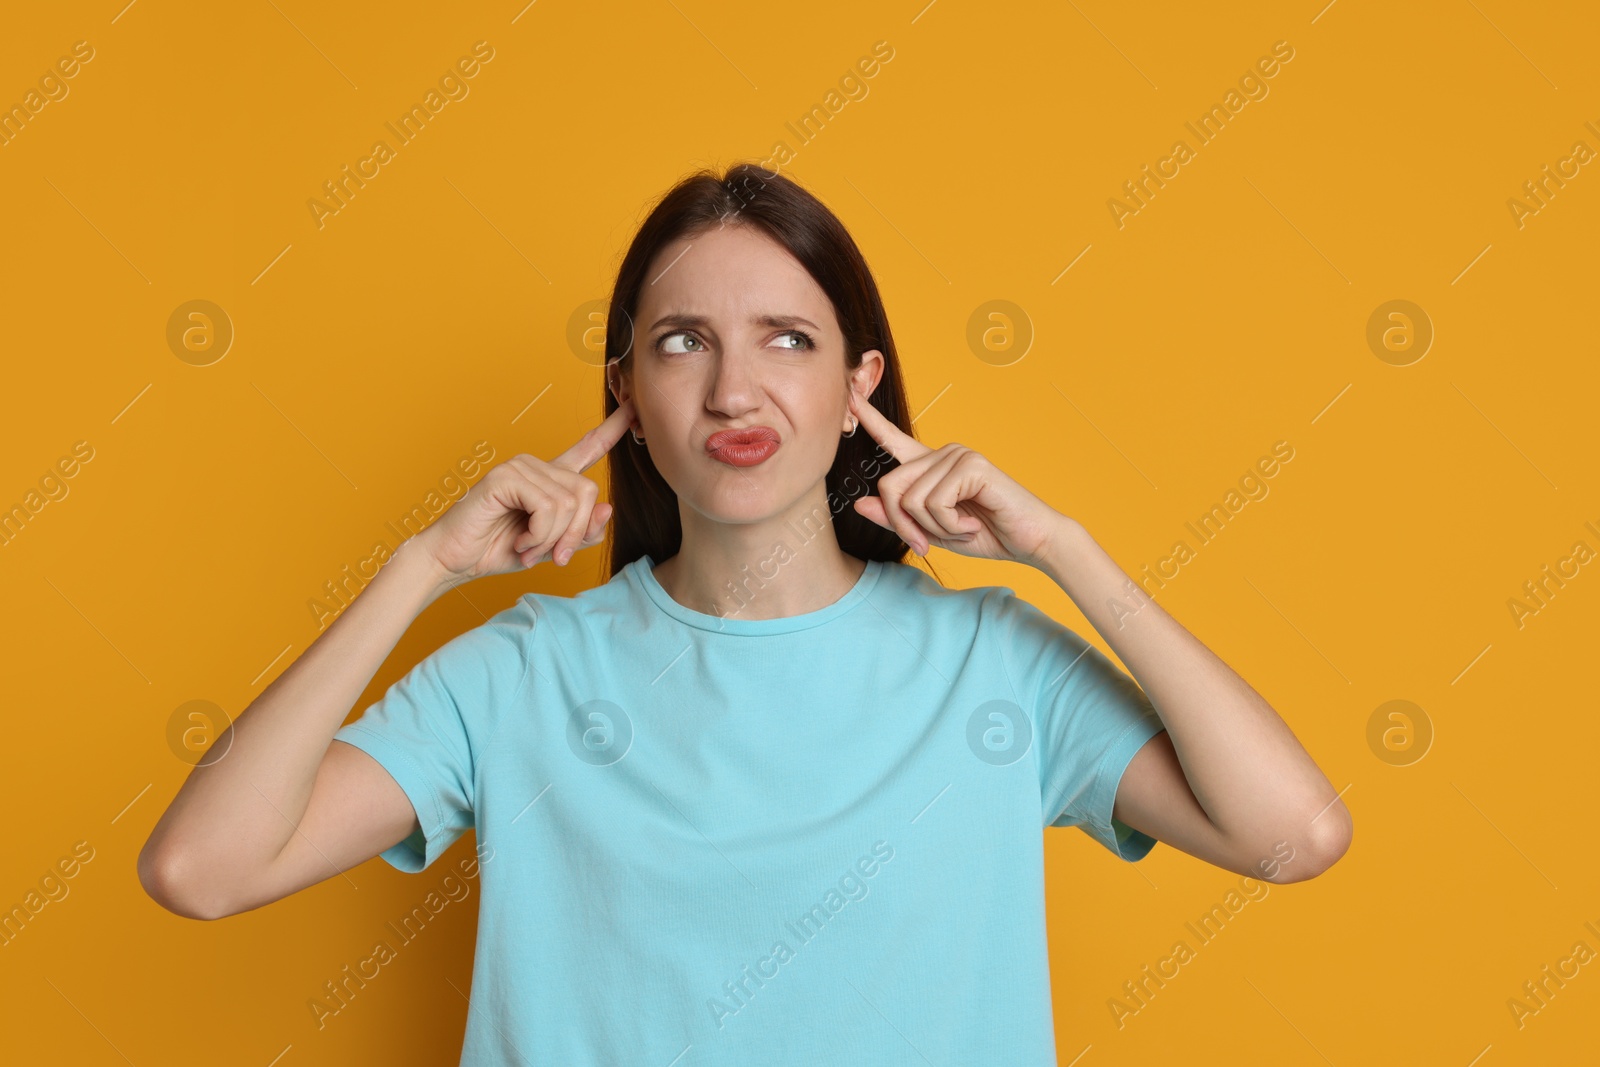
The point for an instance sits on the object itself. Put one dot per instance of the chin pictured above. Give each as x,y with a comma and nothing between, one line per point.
740,502
738,513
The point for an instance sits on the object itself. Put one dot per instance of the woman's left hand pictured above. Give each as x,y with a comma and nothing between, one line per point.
952,497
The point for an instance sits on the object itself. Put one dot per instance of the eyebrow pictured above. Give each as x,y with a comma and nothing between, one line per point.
681,319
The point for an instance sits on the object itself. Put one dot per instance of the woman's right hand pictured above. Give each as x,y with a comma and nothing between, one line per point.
525,510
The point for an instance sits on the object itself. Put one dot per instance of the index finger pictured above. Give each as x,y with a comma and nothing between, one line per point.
900,445
597,442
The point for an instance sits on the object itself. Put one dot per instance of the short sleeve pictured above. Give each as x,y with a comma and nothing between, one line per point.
430,728
1090,719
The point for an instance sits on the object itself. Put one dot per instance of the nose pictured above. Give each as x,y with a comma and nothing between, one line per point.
734,387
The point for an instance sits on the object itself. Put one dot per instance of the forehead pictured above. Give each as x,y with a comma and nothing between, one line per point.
731,275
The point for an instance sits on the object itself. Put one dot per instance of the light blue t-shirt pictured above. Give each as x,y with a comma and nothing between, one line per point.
719,840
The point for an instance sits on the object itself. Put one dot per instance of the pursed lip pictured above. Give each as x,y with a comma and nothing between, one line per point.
747,435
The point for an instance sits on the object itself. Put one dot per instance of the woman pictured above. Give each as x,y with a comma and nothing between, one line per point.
769,794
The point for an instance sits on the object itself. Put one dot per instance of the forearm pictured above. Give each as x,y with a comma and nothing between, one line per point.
1250,775
239,807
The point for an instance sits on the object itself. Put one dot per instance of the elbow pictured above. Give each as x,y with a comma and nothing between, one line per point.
167,880
1331,835
1300,854
1326,838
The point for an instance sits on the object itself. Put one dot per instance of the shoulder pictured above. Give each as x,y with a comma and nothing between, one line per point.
498,653
910,588
914,584
618,598
518,623
496,647
993,617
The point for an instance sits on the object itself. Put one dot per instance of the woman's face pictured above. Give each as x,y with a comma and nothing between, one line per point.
731,332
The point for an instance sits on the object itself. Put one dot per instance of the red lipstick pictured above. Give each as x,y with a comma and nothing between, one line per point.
743,447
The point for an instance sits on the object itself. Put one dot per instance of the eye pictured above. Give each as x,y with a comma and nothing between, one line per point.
806,340
664,338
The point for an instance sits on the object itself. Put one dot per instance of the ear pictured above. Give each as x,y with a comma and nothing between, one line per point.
617,382
864,379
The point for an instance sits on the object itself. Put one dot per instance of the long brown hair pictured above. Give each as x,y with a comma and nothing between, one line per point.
645,516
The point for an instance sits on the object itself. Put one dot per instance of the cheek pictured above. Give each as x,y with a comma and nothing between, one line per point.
665,419
808,402
669,435
657,400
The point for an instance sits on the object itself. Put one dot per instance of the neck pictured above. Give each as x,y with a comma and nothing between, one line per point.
786,565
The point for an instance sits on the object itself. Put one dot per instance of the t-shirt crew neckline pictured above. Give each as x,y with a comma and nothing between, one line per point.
643,570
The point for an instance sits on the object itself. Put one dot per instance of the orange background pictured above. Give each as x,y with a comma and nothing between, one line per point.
1229,313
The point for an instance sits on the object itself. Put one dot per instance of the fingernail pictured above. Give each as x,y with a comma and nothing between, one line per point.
566,554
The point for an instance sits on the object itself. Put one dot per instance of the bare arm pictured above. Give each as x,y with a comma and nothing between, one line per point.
217,848
1228,782
282,807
